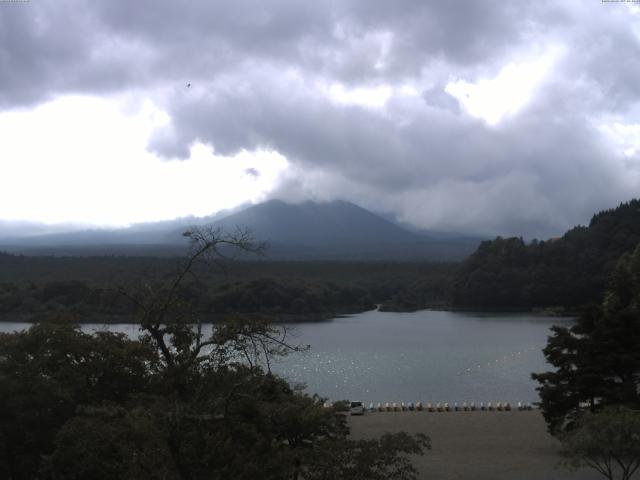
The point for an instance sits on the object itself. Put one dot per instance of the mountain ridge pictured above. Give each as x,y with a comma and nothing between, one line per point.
308,230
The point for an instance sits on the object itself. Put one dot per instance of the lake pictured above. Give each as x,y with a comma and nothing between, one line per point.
434,356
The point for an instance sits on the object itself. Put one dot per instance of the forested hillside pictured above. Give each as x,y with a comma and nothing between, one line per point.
566,272
277,299
88,287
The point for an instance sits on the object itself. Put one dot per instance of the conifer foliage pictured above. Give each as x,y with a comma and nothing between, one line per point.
597,360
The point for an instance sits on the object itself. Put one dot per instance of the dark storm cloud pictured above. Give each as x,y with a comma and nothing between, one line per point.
261,75
51,47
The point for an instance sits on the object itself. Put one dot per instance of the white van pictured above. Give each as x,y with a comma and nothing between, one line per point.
356,408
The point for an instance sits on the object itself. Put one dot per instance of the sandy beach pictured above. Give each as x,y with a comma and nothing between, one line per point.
477,445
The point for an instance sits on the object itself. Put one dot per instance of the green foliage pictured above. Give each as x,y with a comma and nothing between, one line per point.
281,291
76,406
607,441
111,442
570,271
597,360
295,296
47,372
174,404
433,289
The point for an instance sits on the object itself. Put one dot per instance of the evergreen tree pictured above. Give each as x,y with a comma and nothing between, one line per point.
569,272
607,441
597,360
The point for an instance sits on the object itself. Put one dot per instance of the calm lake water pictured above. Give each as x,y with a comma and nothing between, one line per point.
428,356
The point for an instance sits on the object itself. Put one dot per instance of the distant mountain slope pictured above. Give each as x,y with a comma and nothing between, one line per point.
338,230
318,231
311,223
570,271
161,233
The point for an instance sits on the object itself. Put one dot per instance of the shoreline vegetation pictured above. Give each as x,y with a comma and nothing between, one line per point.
279,292
130,319
557,277
536,311
280,318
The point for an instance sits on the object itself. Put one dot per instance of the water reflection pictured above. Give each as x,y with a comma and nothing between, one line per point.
427,356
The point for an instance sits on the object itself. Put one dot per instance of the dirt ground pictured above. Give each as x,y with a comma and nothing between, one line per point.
477,445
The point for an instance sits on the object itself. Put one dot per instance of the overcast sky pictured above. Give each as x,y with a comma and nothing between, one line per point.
492,117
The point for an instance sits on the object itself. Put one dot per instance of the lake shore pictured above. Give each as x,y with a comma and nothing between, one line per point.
206,319
549,311
476,445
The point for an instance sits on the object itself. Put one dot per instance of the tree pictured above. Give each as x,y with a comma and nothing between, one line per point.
264,429
47,372
175,404
597,360
568,272
163,311
111,442
607,441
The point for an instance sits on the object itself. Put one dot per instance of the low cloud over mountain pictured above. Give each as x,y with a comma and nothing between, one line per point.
322,231
493,117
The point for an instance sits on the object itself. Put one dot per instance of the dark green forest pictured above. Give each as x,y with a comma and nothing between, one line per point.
90,287
567,272
277,299
556,276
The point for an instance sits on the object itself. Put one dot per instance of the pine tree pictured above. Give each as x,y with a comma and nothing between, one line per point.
597,360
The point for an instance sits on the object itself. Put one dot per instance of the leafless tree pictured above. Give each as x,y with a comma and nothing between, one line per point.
169,322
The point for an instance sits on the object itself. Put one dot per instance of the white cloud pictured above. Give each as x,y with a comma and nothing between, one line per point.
362,96
84,159
493,99
624,137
